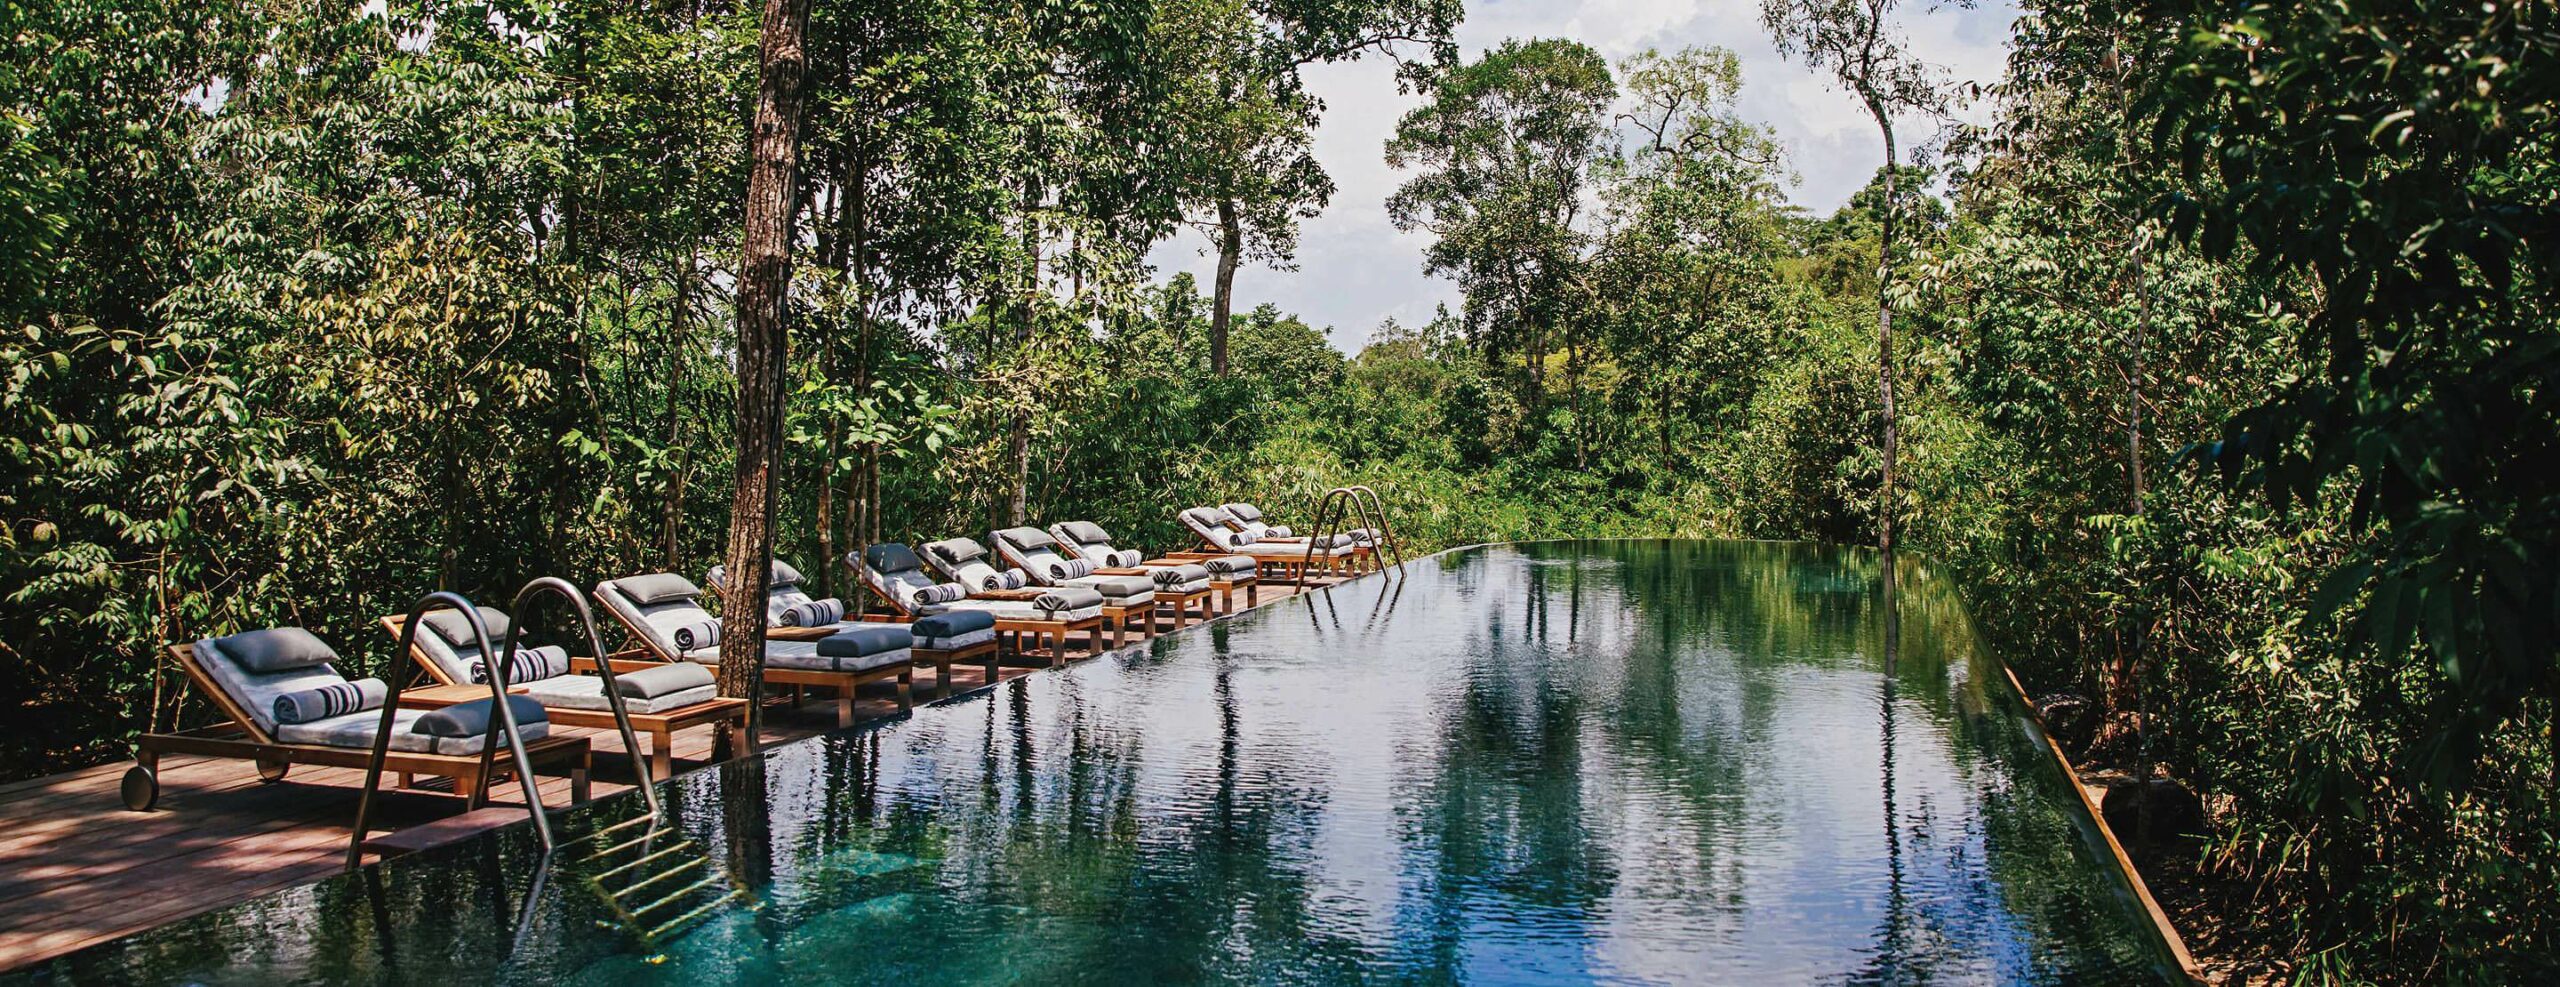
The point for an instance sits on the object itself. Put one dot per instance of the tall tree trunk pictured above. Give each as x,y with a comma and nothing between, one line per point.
673,533
1230,252
1018,441
764,282
1884,328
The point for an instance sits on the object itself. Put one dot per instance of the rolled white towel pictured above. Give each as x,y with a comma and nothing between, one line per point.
813,613
1127,558
334,699
696,636
1008,579
1065,569
1230,566
940,593
528,665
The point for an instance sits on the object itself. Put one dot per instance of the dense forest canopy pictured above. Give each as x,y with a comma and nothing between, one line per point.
2223,365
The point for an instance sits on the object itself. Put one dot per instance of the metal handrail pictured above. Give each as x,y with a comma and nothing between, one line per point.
502,720
1370,522
1386,535
1316,535
525,599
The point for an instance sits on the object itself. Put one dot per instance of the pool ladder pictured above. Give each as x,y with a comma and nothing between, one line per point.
1341,504
657,889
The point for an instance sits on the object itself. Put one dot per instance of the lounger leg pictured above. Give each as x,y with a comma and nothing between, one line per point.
469,787
580,790
906,688
662,755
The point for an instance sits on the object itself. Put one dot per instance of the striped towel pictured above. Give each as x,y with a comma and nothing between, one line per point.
1070,569
813,613
1008,579
1279,531
1175,576
940,593
528,665
1127,558
1230,565
334,699
695,636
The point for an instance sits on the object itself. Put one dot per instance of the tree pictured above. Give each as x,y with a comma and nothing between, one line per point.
1245,125
1505,147
764,284
1853,40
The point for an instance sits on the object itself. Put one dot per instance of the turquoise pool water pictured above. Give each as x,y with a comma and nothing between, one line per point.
1636,762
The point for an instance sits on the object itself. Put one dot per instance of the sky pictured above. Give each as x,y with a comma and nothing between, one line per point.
1355,269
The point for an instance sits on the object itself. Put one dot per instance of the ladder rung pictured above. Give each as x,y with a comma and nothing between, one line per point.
599,878
673,896
687,918
634,887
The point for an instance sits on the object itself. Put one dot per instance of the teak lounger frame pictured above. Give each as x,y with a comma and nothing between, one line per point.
846,684
240,739
660,728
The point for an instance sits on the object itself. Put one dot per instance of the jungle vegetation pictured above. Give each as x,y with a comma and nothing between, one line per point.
2222,367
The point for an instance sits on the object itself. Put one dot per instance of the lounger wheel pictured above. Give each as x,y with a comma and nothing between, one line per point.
272,769
141,788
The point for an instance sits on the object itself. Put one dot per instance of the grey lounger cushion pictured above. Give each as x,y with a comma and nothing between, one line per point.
659,587
355,730
454,629
953,623
275,649
649,683
587,692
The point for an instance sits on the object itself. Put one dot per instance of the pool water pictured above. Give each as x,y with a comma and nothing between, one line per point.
1641,762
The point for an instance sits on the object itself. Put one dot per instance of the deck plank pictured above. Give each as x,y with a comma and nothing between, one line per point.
77,868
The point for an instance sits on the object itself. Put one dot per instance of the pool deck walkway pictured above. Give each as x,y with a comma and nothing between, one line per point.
77,868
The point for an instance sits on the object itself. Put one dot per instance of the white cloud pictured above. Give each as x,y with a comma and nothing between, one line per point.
1356,269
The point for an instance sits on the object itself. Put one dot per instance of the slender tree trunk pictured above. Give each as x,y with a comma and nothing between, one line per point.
1018,440
1230,252
1884,330
682,317
764,282
2133,387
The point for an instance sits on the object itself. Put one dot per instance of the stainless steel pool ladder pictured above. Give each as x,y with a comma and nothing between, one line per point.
502,723
1340,504
556,586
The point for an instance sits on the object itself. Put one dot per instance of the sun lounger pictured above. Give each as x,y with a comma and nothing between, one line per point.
661,699
1217,533
1179,582
787,601
1247,518
1062,610
663,611
286,704
1128,594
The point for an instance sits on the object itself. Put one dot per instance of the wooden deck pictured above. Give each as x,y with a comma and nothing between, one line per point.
77,868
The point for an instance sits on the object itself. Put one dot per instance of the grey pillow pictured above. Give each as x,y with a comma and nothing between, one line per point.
954,551
889,557
471,719
1086,533
658,587
278,649
650,683
1025,539
455,628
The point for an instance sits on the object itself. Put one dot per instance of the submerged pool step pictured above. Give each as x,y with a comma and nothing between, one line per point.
643,882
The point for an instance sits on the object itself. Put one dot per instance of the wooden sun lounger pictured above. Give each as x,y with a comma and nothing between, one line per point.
1041,631
660,728
240,739
941,661
845,684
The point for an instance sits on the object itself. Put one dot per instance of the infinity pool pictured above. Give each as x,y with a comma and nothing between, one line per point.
1640,762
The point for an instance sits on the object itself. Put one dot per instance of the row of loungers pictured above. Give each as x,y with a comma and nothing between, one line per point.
285,702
